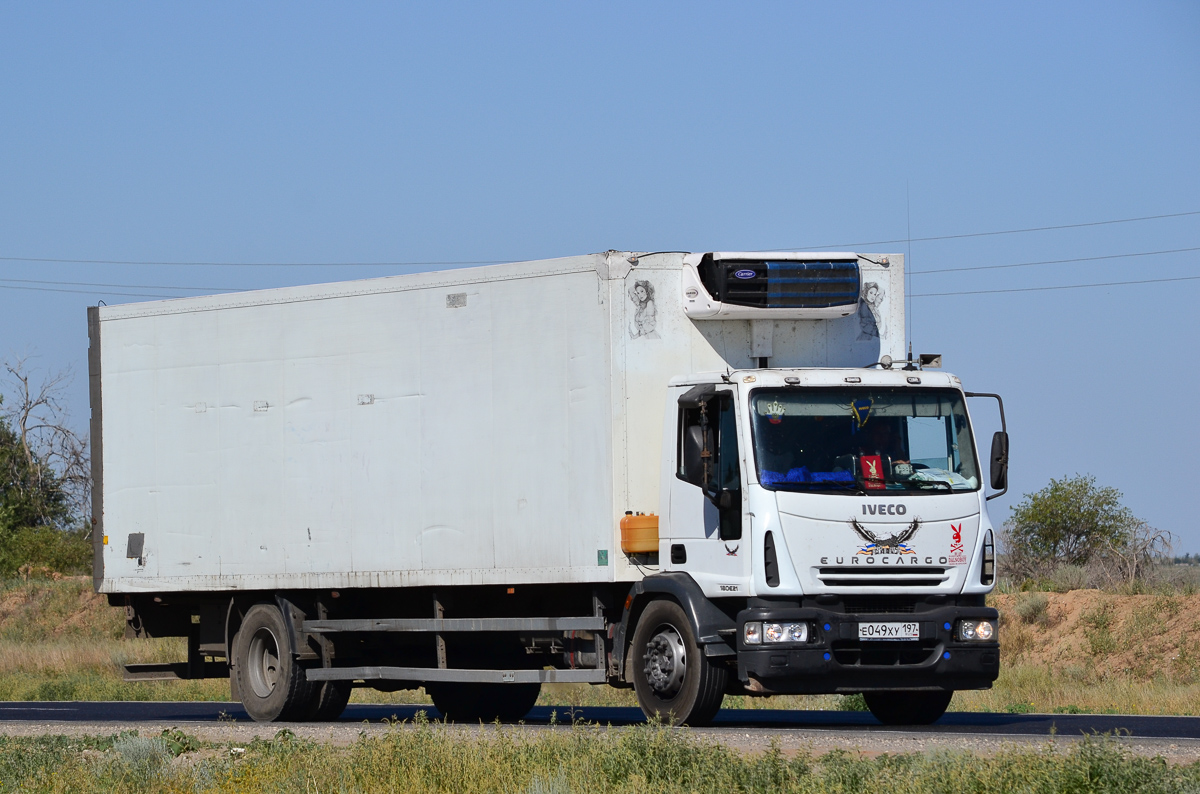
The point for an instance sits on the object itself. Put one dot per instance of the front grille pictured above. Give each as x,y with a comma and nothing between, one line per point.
891,576
891,605
782,285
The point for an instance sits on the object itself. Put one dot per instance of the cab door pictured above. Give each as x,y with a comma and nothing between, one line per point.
707,516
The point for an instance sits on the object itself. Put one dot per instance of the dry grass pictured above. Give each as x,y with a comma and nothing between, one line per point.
1079,651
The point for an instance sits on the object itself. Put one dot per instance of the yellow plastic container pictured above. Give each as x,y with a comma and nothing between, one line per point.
639,533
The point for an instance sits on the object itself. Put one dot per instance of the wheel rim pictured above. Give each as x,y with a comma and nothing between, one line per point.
666,662
263,662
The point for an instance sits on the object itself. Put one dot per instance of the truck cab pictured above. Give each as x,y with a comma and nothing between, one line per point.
839,517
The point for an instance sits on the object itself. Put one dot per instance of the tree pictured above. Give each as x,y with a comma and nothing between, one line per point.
45,478
1072,521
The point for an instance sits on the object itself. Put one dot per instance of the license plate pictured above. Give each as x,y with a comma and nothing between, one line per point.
889,631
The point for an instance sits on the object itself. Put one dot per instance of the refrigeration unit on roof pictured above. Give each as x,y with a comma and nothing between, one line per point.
731,285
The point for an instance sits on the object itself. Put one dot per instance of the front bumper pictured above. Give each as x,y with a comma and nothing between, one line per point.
835,660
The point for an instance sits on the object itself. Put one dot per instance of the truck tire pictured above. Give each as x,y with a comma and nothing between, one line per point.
908,708
329,700
272,684
674,680
466,702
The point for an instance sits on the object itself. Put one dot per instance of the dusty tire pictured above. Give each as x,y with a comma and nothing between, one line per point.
472,703
272,685
908,708
329,699
671,675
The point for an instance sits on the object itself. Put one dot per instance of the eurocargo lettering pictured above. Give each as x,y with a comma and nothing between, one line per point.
689,474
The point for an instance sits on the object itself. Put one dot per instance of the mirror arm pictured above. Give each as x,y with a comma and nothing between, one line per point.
1003,429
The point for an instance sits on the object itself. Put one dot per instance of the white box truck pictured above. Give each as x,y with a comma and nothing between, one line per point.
689,474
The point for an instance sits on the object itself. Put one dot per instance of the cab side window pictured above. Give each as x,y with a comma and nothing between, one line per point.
714,430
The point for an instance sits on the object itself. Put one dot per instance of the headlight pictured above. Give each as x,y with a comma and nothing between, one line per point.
752,634
785,632
978,630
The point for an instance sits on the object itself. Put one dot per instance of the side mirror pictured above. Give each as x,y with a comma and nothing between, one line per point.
693,445
1000,460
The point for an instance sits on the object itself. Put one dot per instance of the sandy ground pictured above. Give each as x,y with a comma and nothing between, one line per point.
748,740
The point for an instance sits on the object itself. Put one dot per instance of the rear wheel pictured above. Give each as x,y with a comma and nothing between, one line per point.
271,683
466,702
907,708
329,700
671,675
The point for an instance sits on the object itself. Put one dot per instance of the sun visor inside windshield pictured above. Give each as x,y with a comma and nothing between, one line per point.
813,403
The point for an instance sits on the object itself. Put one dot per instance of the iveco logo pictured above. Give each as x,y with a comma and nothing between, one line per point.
884,510
743,274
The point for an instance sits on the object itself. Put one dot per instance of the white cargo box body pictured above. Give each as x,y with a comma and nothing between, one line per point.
479,426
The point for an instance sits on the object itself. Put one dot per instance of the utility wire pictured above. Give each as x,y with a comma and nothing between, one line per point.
52,260
246,264
244,289
986,234
89,292
916,295
1065,286
119,286
1054,261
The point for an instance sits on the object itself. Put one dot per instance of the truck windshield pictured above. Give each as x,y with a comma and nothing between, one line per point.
862,439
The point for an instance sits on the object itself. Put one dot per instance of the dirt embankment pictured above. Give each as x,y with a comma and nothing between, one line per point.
1089,634
46,609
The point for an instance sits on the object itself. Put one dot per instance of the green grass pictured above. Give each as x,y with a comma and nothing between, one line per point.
425,758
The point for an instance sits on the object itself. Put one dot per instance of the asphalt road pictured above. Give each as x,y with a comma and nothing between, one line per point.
957,723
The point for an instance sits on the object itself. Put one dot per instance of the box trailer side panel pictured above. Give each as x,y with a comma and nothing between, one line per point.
454,434
488,425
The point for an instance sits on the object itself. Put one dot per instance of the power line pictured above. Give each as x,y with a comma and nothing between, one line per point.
52,260
987,234
1065,286
119,286
240,289
913,295
88,292
1055,261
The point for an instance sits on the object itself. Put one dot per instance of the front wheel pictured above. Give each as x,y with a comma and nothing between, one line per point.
673,679
908,708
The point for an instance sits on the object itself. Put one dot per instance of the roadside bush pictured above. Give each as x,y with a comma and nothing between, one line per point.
1098,631
855,702
1073,534
1033,608
45,550
1066,578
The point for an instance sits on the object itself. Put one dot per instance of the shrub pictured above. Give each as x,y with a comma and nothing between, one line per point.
1098,631
1033,608
1073,522
855,702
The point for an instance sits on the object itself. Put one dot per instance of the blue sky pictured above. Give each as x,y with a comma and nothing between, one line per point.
451,132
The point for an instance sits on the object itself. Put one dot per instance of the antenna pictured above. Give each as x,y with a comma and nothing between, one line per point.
908,268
